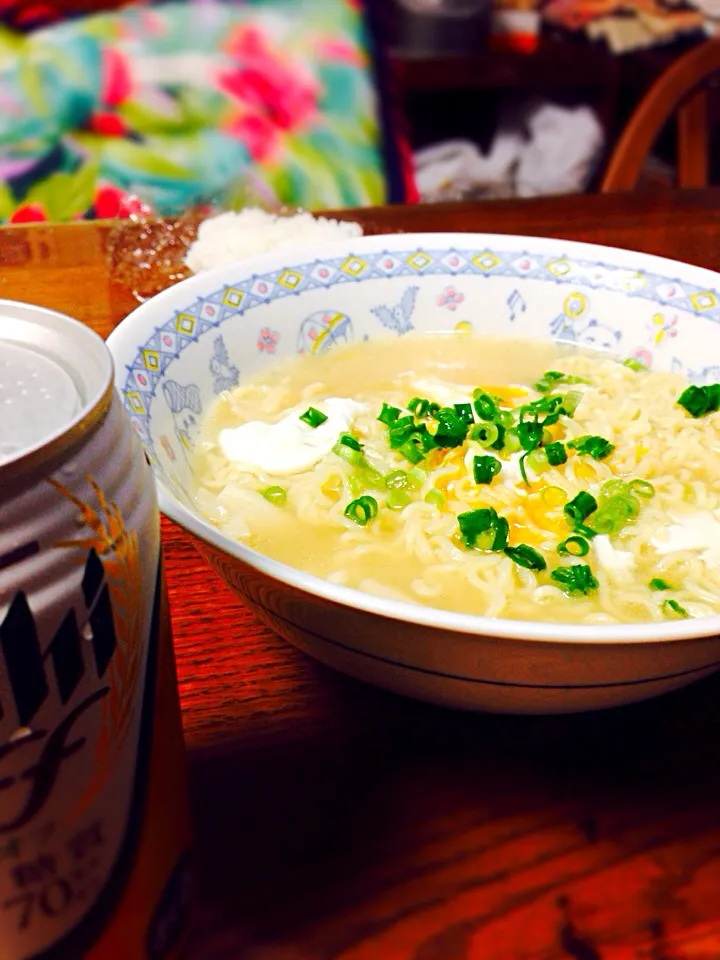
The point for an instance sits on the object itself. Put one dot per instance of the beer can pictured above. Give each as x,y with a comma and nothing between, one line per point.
94,831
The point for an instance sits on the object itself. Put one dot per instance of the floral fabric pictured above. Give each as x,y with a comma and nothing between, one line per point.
28,14
159,108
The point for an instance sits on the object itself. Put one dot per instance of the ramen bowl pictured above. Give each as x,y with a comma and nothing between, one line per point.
176,353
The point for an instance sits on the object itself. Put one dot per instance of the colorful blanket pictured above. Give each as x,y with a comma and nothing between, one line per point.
160,108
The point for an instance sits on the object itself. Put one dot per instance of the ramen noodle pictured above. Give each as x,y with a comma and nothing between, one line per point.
491,476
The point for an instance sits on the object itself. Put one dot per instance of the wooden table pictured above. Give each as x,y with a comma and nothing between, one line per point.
338,821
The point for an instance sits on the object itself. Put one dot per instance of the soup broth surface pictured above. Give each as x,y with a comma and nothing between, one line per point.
470,493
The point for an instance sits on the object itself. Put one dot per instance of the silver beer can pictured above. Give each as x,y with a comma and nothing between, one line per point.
94,834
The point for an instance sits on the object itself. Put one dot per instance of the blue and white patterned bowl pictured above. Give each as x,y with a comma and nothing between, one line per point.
178,351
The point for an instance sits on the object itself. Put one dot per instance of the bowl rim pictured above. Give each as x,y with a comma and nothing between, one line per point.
621,634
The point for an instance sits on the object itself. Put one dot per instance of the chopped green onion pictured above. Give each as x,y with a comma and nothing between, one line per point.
502,529
354,457
549,421
484,529
362,510
642,488
416,478
433,409
577,578
529,434
585,531
618,503
373,477
657,583
313,417
485,406
464,412
606,523
419,406
537,460
350,441
397,499
388,414
634,364
356,484
403,423
597,447
694,400
411,452
698,401
549,405
485,540
367,478
505,418
621,508
275,495
556,453
404,431
422,436
548,381
435,497
570,402
485,468
451,430
526,556
486,434
672,608
400,431
521,465
500,442
574,547
575,393
581,506
396,480
553,377
512,441
613,488
396,438
474,522
424,443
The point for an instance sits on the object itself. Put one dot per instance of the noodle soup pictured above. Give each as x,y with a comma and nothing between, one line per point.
490,476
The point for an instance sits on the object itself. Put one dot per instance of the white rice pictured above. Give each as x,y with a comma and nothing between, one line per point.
233,236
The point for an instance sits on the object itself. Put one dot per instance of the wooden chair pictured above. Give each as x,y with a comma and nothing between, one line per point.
681,89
